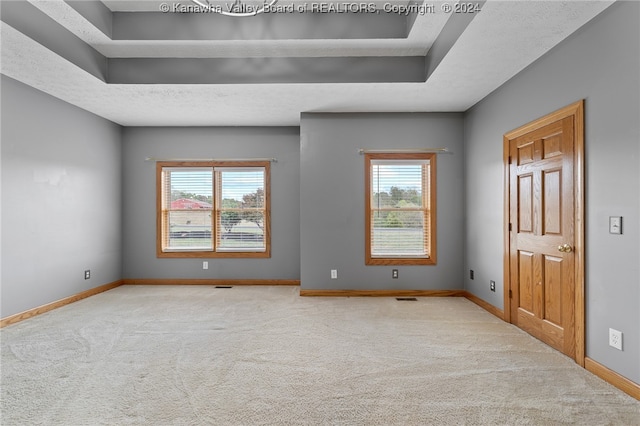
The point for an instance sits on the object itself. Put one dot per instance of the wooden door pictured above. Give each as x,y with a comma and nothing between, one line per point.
542,236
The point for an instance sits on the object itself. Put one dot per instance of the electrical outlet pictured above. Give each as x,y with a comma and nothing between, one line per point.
615,224
87,274
615,339
492,285
471,273
205,264
334,274
394,274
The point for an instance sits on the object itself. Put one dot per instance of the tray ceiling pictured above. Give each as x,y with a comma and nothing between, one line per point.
129,62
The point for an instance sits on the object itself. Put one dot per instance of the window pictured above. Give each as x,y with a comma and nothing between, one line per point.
400,209
213,209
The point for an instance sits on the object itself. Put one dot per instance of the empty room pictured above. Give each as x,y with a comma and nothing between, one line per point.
238,212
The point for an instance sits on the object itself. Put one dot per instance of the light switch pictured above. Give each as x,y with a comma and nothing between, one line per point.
615,224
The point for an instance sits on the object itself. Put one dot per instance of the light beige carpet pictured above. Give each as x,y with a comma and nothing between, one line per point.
197,355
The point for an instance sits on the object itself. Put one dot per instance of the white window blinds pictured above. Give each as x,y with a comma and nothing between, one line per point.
399,208
240,208
187,208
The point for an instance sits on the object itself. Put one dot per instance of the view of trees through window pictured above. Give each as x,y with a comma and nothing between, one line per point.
397,198
230,216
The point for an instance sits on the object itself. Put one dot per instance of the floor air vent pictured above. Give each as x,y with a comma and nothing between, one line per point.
224,286
406,299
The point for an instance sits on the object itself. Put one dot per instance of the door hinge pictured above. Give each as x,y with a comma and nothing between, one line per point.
510,228
510,294
509,159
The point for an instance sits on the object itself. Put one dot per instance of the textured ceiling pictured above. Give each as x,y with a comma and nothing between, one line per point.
460,68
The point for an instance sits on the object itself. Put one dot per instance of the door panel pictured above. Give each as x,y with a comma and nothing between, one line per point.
525,154
526,281
552,146
525,203
542,205
553,289
552,202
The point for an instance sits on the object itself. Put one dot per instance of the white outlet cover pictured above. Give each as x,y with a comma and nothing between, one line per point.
205,265
615,224
334,274
615,339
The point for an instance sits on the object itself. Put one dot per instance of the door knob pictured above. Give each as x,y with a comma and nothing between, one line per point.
565,248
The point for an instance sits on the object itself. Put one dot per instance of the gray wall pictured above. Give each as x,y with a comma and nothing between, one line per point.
332,198
61,204
139,199
599,63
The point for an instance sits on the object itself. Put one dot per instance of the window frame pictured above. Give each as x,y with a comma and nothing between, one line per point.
429,209
161,225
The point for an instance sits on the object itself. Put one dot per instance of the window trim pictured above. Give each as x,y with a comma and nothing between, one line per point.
430,207
161,225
